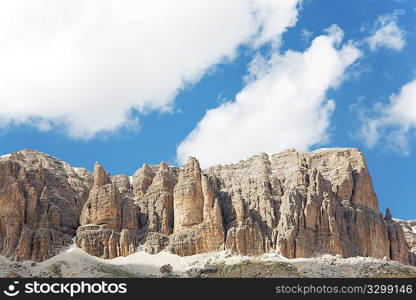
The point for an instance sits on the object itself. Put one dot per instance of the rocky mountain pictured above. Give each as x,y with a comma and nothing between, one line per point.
292,203
409,228
41,199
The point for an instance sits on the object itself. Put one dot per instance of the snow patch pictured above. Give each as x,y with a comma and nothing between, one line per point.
72,246
74,262
80,171
142,262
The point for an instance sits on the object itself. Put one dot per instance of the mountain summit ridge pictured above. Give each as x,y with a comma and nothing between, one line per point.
293,203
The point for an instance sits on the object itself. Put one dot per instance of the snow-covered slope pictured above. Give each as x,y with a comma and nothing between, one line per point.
74,262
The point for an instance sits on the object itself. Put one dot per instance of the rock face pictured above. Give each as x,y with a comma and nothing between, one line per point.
303,205
109,226
153,192
409,229
198,224
296,204
188,197
41,199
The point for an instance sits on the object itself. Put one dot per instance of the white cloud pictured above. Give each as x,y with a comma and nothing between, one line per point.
387,34
283,105
394,121
306,35
84,65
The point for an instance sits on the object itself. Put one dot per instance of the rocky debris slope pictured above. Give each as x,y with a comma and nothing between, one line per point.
292,203
75,263
326,266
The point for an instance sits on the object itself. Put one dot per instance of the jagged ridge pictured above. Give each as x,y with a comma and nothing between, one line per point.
297,204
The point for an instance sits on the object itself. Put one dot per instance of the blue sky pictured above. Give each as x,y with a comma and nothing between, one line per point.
84,87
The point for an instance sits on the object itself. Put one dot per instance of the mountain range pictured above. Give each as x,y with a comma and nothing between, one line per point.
294,204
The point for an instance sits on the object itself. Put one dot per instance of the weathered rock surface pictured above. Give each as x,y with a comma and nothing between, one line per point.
198,224
397,238
296,204
153,191
409,229
109,222
41,199
305,204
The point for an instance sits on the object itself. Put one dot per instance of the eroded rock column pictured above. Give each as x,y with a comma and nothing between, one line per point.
109,226
198,224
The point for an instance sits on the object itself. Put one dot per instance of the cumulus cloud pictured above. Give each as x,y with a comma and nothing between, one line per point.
387,34
283,104
86,65
394,121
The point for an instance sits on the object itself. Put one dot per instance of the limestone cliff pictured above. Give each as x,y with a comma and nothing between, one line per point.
296,204
41,199
109,226
198,224
304,204
409,229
